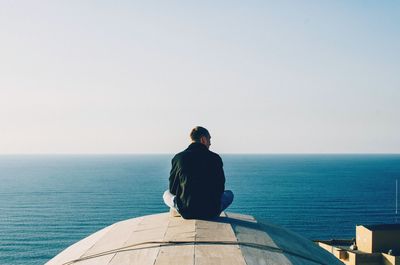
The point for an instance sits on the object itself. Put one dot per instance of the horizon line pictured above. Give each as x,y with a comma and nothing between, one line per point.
222,153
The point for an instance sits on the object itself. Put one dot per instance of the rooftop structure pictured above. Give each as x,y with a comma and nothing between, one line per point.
374,245
161,239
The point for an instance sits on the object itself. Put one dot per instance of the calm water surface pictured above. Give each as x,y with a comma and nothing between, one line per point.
49,202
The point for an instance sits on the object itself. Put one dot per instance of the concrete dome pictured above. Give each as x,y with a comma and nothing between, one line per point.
160,239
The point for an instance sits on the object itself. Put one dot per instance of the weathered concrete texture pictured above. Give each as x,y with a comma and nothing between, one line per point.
162,239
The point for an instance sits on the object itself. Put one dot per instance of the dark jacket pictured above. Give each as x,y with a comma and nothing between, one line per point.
198,181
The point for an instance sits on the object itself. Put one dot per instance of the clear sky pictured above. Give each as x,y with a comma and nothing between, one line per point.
262,76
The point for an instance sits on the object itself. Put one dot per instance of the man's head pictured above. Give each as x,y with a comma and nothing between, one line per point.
200,135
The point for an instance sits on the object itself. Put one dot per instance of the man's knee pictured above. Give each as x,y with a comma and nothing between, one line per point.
229,195
168,199
166,194
226,199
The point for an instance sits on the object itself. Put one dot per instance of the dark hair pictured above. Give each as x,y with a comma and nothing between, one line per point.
198,132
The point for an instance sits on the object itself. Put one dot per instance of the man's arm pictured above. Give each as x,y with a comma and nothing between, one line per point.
173,177
221,176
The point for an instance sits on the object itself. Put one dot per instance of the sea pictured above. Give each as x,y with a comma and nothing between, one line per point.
48,202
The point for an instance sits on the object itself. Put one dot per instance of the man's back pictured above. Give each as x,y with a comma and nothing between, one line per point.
198,181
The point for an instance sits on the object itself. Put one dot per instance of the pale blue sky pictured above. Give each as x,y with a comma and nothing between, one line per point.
263,76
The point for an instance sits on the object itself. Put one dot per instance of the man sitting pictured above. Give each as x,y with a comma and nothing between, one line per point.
197,180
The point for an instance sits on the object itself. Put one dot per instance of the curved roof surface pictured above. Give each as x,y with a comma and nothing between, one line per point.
162,239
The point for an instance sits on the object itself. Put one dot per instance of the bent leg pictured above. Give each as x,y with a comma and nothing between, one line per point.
169,199
226,199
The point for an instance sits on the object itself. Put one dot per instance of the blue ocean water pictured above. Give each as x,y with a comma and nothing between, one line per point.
48,202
